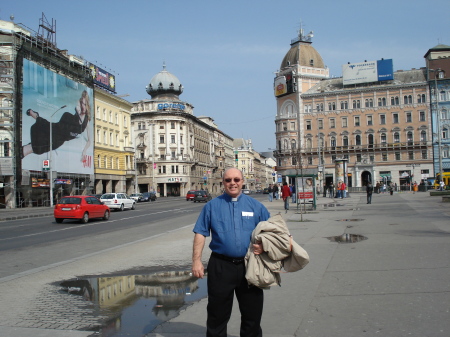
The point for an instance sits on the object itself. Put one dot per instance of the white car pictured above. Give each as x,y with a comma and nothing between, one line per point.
118,201
137,196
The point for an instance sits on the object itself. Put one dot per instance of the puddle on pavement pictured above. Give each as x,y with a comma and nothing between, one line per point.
134,305
347,238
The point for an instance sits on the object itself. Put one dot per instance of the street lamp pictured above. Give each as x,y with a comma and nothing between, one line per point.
50,156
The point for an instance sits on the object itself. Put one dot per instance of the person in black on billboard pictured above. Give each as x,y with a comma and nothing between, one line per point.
69,127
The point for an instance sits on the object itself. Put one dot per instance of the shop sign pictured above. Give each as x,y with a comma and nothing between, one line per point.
175,180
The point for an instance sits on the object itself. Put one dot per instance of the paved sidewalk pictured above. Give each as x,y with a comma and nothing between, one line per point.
394,283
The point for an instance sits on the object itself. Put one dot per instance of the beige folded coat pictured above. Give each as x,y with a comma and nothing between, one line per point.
281,252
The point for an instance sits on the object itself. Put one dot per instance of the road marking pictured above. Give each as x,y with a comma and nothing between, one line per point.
88,224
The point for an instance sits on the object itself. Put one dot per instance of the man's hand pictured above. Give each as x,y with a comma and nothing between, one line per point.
197,269
258,248
197,266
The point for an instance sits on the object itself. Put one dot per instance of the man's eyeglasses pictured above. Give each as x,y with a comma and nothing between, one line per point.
236,180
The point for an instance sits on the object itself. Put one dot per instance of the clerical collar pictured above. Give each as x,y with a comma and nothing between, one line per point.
234,199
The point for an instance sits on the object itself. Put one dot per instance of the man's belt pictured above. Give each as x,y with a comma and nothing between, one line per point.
235,260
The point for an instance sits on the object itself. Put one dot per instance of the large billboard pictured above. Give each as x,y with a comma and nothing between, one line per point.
364,72
102,78
57,108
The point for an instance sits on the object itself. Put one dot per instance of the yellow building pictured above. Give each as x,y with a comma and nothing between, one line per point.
113,149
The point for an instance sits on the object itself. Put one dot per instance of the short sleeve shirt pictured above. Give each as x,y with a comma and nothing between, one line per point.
230,223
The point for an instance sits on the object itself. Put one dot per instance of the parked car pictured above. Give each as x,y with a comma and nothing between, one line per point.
118,201
246,191
81,207
98,196
202,196
136,196
190,195
148,196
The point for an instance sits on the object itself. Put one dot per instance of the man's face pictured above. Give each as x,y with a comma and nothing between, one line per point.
233,181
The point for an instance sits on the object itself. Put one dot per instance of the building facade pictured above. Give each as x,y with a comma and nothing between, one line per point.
382,130
438,74
114,148
175,150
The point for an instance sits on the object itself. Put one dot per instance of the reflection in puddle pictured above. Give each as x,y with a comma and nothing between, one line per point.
133,305
347,238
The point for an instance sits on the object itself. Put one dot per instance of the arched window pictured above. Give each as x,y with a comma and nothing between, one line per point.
395,100
333,142
293,144
382,101
421,98
358,140
407,99
383,138
99,164
396,137
345,141
308,143
409,137
423,136
286,145
6,148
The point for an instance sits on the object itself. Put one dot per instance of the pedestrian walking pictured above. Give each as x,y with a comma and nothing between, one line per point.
275,192
369,191
286,193
294,197
230,239
331,190
270,190
338,190
343,190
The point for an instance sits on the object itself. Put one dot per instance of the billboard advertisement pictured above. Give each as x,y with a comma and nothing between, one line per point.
102,78
57,108
364,72
284,85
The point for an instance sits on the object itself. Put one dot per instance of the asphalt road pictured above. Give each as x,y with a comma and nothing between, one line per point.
33,243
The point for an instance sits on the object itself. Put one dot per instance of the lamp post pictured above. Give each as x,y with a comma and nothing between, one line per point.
50,156
153,155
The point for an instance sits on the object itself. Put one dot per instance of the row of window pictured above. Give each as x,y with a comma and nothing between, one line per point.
383,157
162,139
357,140
110,117
143,126
112,162
369,120
368,103
109,138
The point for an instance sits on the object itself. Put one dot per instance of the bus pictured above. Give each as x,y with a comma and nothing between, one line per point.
445,178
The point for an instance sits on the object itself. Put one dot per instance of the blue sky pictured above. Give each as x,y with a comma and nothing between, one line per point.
225,53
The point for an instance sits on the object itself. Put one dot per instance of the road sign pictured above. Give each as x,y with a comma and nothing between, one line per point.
46,165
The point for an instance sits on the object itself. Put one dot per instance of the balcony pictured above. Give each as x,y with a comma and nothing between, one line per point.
128,149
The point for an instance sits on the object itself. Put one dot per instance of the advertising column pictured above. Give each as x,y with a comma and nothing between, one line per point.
341,177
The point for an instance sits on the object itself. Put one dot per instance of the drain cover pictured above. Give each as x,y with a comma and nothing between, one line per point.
347,238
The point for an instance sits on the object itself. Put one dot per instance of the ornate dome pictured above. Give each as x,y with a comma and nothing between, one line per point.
164,83
302,53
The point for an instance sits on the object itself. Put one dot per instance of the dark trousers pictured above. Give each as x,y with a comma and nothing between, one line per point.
224,280
369,198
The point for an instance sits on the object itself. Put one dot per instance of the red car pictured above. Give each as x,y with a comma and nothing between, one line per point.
81,207
190,195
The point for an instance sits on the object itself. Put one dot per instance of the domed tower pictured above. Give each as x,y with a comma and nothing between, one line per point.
164,85
301,68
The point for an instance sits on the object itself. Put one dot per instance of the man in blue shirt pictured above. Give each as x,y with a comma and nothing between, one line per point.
230,220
